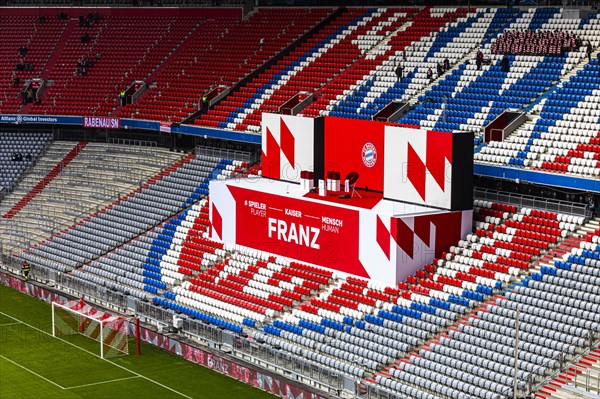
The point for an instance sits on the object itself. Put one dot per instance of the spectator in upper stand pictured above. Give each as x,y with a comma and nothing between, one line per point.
399,71
588,50
446,64
16,81
429,74
440,69
505,65
42,19
85,38
260,44
479,59
81,21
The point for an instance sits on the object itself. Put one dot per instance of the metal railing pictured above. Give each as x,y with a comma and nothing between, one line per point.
287,364
522,200
139,143
223,153
585,379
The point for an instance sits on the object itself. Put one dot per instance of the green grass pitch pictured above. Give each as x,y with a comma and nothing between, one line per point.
33,364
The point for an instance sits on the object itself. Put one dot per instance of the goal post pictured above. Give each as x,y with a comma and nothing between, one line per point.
77,318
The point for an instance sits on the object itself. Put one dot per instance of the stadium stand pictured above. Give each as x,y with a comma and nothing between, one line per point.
73,180
135,220
324,55
118,60
230,52
39,39
18,153
563,138
429,39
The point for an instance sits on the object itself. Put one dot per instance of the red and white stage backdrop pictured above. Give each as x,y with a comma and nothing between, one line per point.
354,145
429,168
287,146
351,240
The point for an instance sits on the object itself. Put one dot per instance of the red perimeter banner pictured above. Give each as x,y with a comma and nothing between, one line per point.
304,230
353,145
101,122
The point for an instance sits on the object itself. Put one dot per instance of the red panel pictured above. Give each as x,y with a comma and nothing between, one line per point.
415,171
383,237
217,221
403,235
355,146
288,145
271,157
439,149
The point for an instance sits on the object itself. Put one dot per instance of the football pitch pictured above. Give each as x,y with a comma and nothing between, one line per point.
34,364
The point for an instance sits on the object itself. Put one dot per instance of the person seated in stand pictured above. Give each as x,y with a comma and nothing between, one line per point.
446,64
429,74
16,81
440,69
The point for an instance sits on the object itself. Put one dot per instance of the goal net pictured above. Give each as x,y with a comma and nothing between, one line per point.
77,318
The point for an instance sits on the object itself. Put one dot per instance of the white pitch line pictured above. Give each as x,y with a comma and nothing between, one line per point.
102,382
106,360
10,324
32,372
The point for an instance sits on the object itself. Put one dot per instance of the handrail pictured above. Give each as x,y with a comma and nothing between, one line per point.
523,200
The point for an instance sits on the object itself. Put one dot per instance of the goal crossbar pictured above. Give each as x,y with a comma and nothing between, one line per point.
77,317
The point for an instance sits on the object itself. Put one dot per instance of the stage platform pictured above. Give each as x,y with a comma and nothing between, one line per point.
369,237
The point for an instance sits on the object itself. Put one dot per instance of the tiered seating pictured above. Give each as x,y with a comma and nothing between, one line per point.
182,186
149,263
565,137
129,48
61,193
469,98
371,326
439,31
236,284
557,312
40,40
19,152
320,58
162,196
358,78
222,53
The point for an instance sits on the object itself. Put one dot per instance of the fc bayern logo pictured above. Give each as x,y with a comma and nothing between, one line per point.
369,155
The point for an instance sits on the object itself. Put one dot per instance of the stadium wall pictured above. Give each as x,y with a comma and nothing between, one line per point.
248,375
